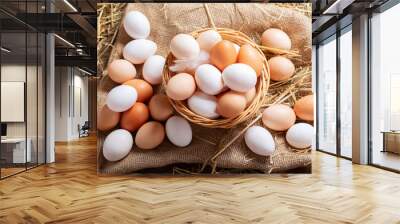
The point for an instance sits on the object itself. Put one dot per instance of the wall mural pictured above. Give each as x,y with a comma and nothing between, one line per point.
204,88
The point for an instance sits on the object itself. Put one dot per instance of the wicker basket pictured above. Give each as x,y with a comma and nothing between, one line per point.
250,112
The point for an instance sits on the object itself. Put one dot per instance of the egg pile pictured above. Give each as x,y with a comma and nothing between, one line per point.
217,78
214,77
131,106
281,117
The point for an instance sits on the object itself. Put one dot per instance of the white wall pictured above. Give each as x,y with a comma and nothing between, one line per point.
70,83
61,104
33,126
12,73
80,94
16,73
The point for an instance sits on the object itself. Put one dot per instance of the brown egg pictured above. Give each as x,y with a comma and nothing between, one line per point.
304,108
121,70
276,38
280,68
231,104
135,117
107,119
250,56
249,95
181,86
278,117
160,107
223,54
143,89
150,135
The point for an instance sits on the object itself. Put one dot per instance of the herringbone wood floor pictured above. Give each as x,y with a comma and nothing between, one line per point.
69,191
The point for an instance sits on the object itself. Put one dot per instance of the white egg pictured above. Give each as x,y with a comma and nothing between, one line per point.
208,39
203,104
209,79
237,48
153,68
300,135
117,145
121,98
137,25
179,131
239,77
137,51
259,140
184,46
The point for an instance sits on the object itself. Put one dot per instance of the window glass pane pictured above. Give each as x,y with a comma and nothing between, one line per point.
327,96
385,114
31,99
15,149
22,87
346,93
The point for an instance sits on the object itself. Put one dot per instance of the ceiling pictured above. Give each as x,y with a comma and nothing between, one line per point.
74,21
58,5
15,42
332,15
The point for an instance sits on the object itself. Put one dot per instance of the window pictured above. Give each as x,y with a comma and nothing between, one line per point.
385,89
346,92
22,75
327,96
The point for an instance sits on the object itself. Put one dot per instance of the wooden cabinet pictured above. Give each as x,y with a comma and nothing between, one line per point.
391,142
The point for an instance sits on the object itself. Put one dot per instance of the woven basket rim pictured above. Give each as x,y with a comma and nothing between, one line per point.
250,112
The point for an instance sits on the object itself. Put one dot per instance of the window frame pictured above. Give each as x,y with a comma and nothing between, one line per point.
336,36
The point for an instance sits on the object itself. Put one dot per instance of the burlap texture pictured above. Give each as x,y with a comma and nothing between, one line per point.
167,20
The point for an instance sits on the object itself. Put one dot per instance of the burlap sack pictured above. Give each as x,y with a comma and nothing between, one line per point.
167,20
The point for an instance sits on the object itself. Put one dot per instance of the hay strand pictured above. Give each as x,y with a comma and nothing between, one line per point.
109,16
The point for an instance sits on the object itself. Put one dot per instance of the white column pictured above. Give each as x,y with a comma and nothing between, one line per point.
360,90
50,98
